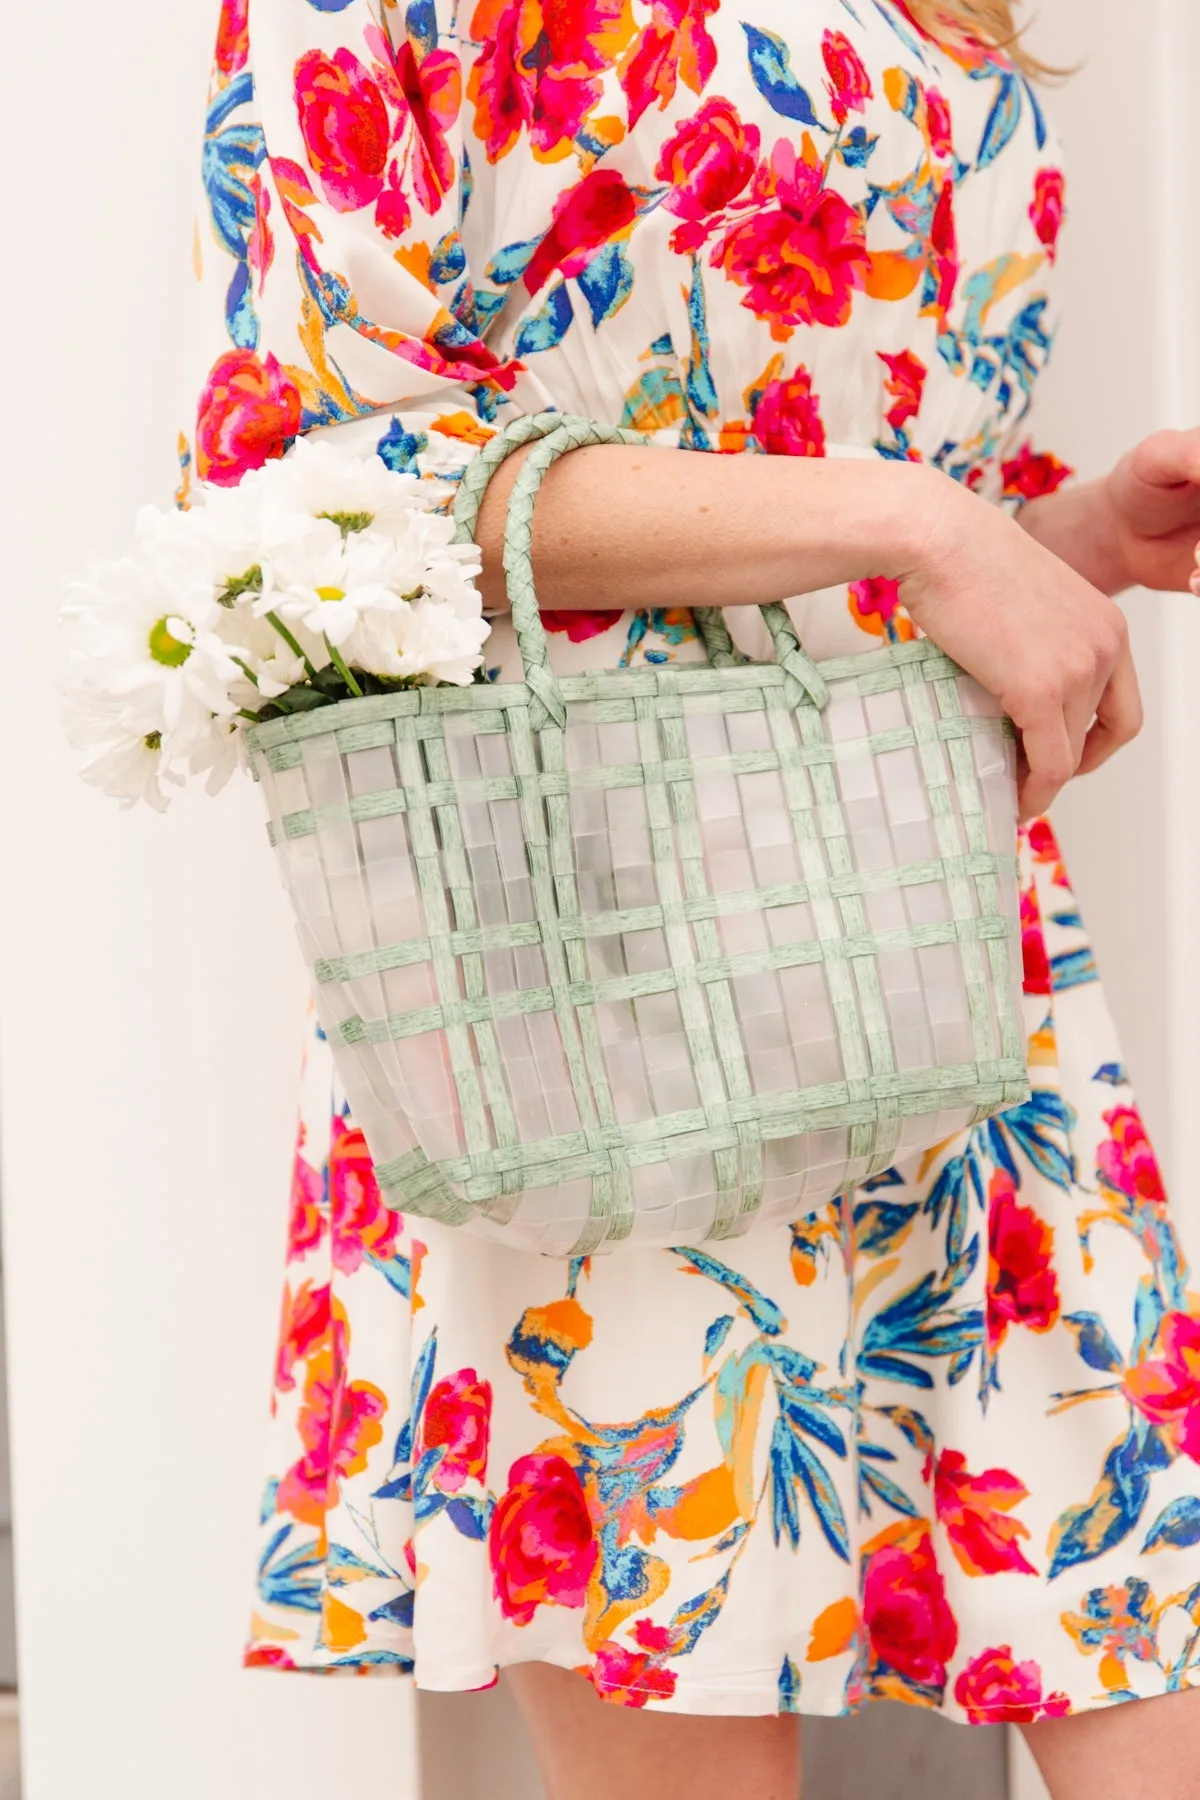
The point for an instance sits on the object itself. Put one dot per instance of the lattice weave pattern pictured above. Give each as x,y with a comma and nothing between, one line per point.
648,954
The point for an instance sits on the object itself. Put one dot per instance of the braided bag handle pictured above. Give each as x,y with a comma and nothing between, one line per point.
555,435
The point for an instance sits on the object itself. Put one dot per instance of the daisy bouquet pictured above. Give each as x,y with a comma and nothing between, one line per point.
322,577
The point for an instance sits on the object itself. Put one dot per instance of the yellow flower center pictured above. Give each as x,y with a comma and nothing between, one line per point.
330,593
166,648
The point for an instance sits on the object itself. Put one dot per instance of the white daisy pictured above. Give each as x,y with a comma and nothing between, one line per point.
327,582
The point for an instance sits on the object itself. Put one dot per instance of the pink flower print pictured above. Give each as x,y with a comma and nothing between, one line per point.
787,418
457,1420
848,84
708,160
994,1688
905,383
346,127
542,1544
360,1224
1166,1388
1049,202
1127,1160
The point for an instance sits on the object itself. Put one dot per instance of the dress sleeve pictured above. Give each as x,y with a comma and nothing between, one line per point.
331,250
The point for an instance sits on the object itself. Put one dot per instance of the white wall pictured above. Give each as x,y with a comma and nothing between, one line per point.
150,1000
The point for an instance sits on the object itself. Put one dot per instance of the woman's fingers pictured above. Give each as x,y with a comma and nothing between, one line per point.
1048,759
1119,716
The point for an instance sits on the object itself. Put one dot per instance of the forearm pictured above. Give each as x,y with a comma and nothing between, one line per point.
1076,525
633,526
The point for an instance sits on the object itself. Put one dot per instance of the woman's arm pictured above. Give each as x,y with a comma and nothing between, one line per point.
1136,527
647,527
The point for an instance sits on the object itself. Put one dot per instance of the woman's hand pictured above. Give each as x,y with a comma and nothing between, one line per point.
1051,647
1139,526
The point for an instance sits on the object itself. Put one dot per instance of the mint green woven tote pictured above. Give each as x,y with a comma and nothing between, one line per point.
647,955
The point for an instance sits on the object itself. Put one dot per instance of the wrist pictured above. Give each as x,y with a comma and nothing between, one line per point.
1079,524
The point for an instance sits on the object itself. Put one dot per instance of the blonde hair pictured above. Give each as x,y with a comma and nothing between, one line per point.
990,22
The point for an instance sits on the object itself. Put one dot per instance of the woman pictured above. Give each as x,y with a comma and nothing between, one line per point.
936,1443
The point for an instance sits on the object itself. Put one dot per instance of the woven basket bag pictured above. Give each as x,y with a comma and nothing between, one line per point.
650,954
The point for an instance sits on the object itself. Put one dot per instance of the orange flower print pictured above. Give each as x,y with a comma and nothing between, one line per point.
539,70
995,1689
675,44
1127,1161
304,1324
801,253
1166,1388
340,1423
306,1222
974,1512
1022,1288
233,36
875,605
542,1544
1028,475
249,412
360,1224
905,383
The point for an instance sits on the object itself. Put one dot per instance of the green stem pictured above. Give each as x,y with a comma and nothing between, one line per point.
291,642
247,671
253,717
339,663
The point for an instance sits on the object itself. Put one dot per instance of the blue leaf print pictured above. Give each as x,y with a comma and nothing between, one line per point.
344,1566
607,282
1148,1312
292,1580
398,1611
545,329
1002,121
716,1334
857,148
241,320
1095,1344
1039,117
422,1381
330,6
399,448
803,1415
397,1270
470,1518
1115,1074
509,264
448,260
1177,1526
771,69
886,1490
1076,968
880,1225
822,1497
701,389
789,1687
1087,1531
420,25
762,1313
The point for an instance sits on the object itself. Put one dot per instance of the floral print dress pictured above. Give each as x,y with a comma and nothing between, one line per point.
937,1441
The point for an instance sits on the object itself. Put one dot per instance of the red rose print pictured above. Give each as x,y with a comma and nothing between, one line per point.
905,382
937,121
543,1549
875,605
579,626
233,36
360,1224
424,89
1022,1288
346,127
848,84
1038,975
249,412
590,214
539,69
630,1677
1166,1388
340,1422
1127,1160
909,1625
993,1690
974,1512
267,1656
802,253
708,161
457,1420
1049,199
305,1322
306,1226
787,418
943,248
675,44
1027,476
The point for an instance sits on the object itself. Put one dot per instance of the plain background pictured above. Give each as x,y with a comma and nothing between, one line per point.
150,994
